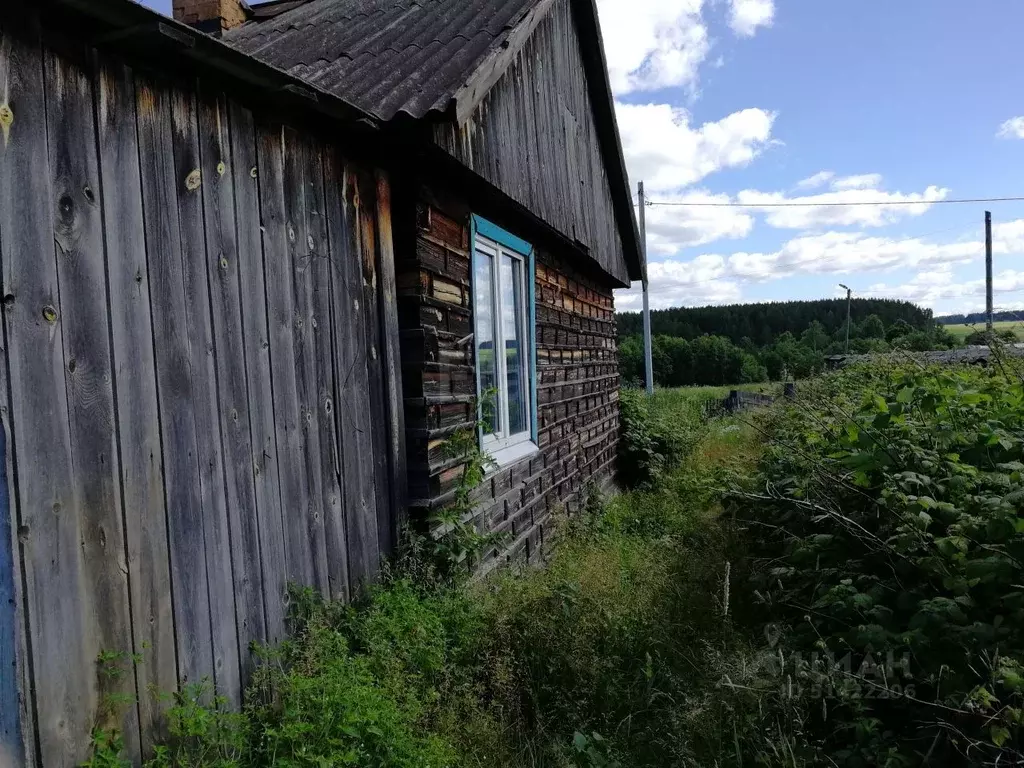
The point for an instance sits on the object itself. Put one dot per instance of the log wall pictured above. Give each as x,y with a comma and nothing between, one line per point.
577,385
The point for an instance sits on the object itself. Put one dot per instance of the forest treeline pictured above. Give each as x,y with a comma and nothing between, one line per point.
978,318
746,343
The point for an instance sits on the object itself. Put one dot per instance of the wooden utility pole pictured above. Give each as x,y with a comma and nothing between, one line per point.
849,301
648,354
988,272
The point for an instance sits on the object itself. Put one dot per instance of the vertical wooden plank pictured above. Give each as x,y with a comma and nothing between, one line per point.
391,364
185,525
247,182
141,456
279,246
12,749
63,673
299,206
375,440
329,470
229,344
75,189
352,413
190,189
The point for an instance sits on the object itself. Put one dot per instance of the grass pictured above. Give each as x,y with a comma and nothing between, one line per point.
613,655
961,332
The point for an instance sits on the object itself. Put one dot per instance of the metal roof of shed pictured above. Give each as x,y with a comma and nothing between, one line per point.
385,56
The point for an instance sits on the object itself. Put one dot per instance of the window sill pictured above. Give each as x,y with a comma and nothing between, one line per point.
514,453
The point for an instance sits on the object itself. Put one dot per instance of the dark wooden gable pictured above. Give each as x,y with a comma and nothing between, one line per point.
533,135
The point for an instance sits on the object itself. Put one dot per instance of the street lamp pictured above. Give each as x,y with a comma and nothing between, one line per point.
849,299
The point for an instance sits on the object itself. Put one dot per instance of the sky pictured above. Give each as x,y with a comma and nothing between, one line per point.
764,101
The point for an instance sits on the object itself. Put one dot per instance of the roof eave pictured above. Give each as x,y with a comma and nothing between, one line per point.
592,45
129,25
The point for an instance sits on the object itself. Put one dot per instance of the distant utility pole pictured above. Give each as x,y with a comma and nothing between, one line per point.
988,271
849,299
648,355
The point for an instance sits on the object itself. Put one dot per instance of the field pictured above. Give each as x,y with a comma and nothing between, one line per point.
961,332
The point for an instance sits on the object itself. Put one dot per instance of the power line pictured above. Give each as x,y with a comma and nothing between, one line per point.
795,204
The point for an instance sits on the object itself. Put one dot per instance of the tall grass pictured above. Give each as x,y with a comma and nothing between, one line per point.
612,655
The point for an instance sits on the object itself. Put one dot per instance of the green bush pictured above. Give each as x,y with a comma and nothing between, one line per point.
890,550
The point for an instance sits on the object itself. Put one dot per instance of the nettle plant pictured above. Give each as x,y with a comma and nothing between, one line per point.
455,542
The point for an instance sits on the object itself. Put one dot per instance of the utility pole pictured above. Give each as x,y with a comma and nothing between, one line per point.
849,300
648,355
988,272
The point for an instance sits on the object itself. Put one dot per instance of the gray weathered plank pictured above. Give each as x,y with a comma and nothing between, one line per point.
329,468
229,343
245,175
141,457
64,687
300,211
377,443
353,408
391,365
190,187
81,272
174,383
279,236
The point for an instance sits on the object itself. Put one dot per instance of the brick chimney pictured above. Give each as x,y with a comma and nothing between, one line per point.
211,16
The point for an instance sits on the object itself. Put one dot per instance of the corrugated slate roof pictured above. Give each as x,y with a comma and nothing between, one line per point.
384,56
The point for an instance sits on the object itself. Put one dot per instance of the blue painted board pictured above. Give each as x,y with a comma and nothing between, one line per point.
10,708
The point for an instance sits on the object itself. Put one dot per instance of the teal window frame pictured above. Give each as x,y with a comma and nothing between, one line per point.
482,228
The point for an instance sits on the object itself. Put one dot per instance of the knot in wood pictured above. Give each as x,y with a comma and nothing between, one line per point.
252,172
221,168
50,314
223,261
193,180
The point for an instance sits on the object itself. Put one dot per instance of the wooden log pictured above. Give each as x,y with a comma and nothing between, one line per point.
391,365
208,468
245,174
141,457
174,382
232,386
352,412
373,332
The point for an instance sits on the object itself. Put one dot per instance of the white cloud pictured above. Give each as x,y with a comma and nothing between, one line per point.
653,44
820,179
664,151
864,181
671,228
1012,128
745,16
677,283
846,252
939,287
820,210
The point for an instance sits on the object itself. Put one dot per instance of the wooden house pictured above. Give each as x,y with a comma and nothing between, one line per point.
257,265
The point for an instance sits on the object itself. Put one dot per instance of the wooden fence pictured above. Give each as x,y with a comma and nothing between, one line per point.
199,388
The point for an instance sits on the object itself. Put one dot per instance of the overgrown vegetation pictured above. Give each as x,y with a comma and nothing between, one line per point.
889,552
835,581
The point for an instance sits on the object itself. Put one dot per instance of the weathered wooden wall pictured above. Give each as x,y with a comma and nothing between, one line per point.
534,137
577,386
199,389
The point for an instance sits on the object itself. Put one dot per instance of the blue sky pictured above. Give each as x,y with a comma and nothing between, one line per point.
758,101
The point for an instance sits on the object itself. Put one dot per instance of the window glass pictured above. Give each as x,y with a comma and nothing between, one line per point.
512,311
504,356
487,363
